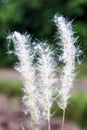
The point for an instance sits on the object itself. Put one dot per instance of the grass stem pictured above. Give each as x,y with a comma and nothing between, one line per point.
48,123
63,118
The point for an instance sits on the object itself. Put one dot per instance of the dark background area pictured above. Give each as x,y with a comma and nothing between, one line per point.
35,17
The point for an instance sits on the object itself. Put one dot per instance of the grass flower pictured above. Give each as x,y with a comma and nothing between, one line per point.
46,79
69,50
27,70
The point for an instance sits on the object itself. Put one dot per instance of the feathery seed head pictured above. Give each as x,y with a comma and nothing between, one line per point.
27,70
46,78
68,58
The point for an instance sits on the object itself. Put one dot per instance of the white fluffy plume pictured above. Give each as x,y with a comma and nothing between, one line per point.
46,78
65,32
27,70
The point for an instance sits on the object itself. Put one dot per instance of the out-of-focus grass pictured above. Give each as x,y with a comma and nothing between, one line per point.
76,110
10,87
82,70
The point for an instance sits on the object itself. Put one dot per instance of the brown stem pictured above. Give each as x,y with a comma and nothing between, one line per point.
48,123
35,126
48,120
63,120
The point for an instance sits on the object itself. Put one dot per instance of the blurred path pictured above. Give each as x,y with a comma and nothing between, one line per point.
80,85
9,74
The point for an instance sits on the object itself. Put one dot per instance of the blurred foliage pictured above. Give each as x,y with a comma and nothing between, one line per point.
76,110
12,88
82,70
35,17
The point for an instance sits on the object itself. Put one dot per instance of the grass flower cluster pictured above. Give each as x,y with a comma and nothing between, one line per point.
39,78
68,58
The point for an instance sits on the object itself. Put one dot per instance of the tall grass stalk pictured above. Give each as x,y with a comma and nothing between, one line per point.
46,79
68,48
27,70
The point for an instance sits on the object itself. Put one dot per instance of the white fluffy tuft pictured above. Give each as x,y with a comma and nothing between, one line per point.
46,78
68,58
27,70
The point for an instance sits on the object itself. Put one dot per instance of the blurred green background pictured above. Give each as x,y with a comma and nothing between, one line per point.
35,17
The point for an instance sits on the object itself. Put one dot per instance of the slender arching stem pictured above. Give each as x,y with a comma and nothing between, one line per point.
48,121
63,118
48,124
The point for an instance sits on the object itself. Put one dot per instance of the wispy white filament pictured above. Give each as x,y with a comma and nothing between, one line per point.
46,78
64,29
27,70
